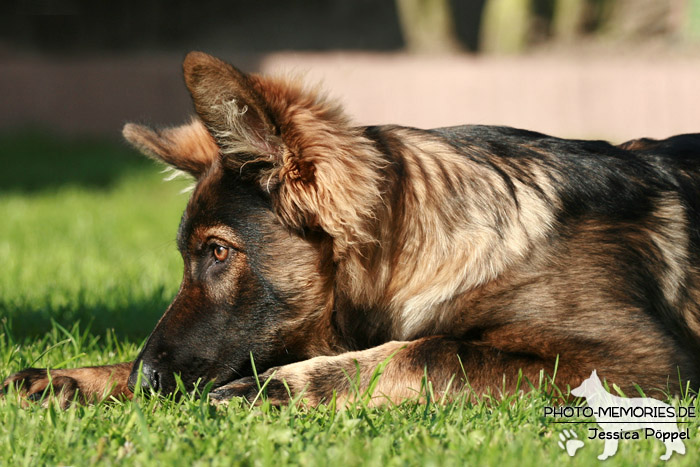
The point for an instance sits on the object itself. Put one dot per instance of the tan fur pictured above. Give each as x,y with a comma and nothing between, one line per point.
668,231
394,385
189,147
441,253
321,152
89,384
446,253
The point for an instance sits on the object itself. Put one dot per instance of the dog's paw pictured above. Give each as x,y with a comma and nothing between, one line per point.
270,389
246,388
35,384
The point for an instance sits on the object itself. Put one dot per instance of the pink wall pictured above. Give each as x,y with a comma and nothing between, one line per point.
608,97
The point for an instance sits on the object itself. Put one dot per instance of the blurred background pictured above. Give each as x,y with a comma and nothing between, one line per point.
88,226
613,69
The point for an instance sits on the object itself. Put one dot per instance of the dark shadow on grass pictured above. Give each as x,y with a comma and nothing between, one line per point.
134,322
34,160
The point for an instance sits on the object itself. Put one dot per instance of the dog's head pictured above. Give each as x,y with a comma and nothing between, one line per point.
590,386
285,186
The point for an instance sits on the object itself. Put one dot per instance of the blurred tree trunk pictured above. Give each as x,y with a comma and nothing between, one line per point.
505,26
568,18
427,25
641,19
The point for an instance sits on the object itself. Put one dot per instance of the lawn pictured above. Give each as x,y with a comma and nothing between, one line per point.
87,248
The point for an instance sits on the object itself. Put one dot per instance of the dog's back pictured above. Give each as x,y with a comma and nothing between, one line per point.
624,243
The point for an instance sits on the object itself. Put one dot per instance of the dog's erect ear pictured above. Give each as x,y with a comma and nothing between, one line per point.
189,147
320,171
228,103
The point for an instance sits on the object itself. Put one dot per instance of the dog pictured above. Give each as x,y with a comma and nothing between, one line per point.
470,256
643,413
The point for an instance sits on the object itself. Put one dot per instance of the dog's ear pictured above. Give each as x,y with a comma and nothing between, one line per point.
189,147
229,105
320,171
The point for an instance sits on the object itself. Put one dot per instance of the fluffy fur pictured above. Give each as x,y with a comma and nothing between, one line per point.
469,255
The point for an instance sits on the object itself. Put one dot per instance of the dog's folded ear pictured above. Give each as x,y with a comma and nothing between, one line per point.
320,171
189,147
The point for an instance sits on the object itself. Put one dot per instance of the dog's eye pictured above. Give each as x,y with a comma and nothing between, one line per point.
220,253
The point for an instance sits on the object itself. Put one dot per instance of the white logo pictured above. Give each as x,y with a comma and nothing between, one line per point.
570,442
620,418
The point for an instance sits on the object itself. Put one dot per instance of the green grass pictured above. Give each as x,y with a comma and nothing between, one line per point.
88,263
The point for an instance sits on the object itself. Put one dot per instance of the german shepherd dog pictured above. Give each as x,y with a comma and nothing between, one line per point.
463,255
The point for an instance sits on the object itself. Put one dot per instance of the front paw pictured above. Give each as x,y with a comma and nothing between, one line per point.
35,384
273,390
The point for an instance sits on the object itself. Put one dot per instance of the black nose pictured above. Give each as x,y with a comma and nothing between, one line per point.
150,379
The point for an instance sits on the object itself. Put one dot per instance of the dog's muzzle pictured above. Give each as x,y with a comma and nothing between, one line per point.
150,378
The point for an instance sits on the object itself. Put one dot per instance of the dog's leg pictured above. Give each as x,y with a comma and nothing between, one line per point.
675,445
403,366
90,384
609,450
